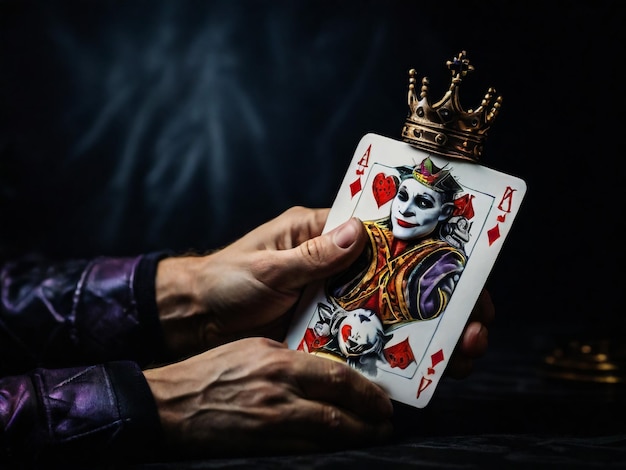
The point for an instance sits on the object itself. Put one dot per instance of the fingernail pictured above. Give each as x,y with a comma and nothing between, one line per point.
345,235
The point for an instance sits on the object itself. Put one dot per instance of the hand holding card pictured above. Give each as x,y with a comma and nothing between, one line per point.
436,221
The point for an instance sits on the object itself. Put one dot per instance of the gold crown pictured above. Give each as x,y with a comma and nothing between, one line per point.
445,128
434,177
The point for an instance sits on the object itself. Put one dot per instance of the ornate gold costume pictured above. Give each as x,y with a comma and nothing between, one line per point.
400,281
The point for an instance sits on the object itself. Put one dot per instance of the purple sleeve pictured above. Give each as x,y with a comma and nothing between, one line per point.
436,282
91,415
73,336
78,312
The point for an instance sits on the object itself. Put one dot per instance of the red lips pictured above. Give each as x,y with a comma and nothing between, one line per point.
405,224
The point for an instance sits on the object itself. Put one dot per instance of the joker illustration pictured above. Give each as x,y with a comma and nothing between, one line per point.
408,271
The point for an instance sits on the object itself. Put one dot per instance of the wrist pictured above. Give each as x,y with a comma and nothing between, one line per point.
164,392
178,391
178,302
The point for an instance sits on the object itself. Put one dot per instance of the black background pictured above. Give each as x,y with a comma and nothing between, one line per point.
130,126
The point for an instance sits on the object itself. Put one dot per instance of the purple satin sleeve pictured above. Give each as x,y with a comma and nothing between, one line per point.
73,338
89,415
436,284
78,312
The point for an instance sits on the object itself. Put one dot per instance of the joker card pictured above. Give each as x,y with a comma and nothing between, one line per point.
435,226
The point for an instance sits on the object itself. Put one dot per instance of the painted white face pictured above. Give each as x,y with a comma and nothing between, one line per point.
416,210
361,332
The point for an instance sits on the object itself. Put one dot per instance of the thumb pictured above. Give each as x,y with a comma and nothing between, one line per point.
322,256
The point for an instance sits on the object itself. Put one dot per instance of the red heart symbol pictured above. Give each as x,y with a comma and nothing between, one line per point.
384,188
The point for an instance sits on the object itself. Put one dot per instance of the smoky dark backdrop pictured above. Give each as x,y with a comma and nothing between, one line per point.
130,126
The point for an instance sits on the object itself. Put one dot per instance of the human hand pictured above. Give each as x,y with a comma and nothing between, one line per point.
256,396
474,341
248,287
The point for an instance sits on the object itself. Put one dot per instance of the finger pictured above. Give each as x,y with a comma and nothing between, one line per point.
472,344
314,259
335,383
484,310
319,425
315,427
475,340
460,367
304,224
287,231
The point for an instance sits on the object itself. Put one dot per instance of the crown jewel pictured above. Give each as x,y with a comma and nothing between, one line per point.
444,127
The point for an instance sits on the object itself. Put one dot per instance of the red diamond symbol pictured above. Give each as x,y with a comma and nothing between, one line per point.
494,234
435,359
355,186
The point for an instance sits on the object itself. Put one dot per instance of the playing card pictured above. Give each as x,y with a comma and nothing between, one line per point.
435,227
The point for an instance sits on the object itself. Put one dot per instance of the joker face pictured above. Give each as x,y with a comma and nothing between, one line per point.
360,332
416,210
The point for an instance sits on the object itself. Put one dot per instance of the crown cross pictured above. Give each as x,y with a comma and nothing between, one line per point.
444,127
460,66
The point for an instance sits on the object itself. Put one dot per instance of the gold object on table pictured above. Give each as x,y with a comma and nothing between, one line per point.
599,361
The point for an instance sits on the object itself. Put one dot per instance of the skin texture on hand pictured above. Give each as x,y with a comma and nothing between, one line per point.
255,396
250,286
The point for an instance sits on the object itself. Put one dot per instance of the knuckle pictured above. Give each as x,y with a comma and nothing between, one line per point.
330,417
338,375
312,251
297,211
261,265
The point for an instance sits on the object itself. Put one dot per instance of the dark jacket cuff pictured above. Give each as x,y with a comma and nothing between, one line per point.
90,415
79,312
145,294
